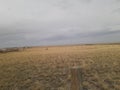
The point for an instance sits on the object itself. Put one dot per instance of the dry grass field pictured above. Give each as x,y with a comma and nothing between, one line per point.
48,68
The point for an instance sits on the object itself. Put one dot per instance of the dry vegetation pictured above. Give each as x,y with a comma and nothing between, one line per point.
48,68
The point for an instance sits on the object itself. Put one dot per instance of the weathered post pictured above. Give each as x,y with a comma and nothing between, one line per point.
76,79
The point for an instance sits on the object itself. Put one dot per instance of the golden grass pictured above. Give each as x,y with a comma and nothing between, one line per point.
39,68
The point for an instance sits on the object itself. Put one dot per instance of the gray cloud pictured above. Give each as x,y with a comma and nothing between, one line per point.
116,10
82,35
118,0
47,22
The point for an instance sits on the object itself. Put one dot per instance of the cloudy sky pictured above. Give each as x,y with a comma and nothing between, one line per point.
58,22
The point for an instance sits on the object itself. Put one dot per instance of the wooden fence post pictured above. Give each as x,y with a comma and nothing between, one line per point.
76,79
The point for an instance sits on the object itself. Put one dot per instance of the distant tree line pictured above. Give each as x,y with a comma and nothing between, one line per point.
13,49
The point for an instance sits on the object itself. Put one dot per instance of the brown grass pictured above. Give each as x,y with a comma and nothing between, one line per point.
49,69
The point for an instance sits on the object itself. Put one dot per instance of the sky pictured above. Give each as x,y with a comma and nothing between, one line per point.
58,22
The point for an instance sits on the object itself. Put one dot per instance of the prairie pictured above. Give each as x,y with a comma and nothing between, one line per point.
48,68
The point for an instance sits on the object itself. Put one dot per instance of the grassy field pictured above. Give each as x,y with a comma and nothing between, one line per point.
48,68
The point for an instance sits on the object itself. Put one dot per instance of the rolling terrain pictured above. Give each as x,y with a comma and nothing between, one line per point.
48,68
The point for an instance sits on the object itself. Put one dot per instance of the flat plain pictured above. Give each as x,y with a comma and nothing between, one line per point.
48,68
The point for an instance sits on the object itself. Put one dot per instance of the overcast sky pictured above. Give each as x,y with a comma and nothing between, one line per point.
58,22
